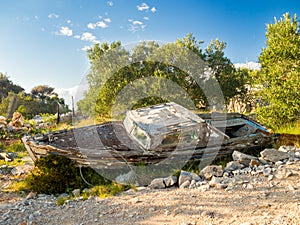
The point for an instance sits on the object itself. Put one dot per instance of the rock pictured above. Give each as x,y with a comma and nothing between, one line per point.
215,181
31,195
5,156
185,184
273,155
286,148
12,155
204,187
193,184
195,176
3,121
236,172
267,172
230,181
242,158
184,176
246,170
76,192
270,177
31,217
233,165
170,181
17,120
262,161
157,183
278,163
209,171
254,162
221,186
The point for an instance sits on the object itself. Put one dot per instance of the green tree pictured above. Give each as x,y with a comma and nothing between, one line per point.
280,74
147,71
43,91
232,81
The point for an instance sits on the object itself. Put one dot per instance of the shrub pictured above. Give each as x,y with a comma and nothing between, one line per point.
56,174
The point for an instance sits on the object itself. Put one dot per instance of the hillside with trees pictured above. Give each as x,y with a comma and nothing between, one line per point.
8,86
41,100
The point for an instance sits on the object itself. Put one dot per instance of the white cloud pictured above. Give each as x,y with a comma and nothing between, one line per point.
136,22
107,20
36,17
85,48
248,65
136,25
66,31
143,7
53,16
92,26
69,21
86,36
146,18
110,3
101,24
153,9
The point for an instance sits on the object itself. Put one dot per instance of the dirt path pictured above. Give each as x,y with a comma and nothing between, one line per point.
253,199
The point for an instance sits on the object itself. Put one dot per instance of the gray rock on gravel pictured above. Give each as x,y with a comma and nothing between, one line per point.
233,165
242,158
273,155
170,181
184,176
209,171
157,183
185,184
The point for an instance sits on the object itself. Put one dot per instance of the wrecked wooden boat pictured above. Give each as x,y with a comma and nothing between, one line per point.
151,135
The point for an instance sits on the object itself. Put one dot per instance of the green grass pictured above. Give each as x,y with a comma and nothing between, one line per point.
293,128
61,200
18,186
14,146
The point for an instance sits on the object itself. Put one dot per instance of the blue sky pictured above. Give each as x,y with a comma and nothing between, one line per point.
42,42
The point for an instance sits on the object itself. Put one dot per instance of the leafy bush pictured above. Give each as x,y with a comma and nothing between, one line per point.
56,174
53,174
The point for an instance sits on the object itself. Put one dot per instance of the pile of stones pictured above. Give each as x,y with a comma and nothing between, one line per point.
270,165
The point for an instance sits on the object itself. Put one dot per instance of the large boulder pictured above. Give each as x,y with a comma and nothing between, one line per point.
273,155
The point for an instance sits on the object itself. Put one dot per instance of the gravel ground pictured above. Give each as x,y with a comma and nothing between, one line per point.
251,199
